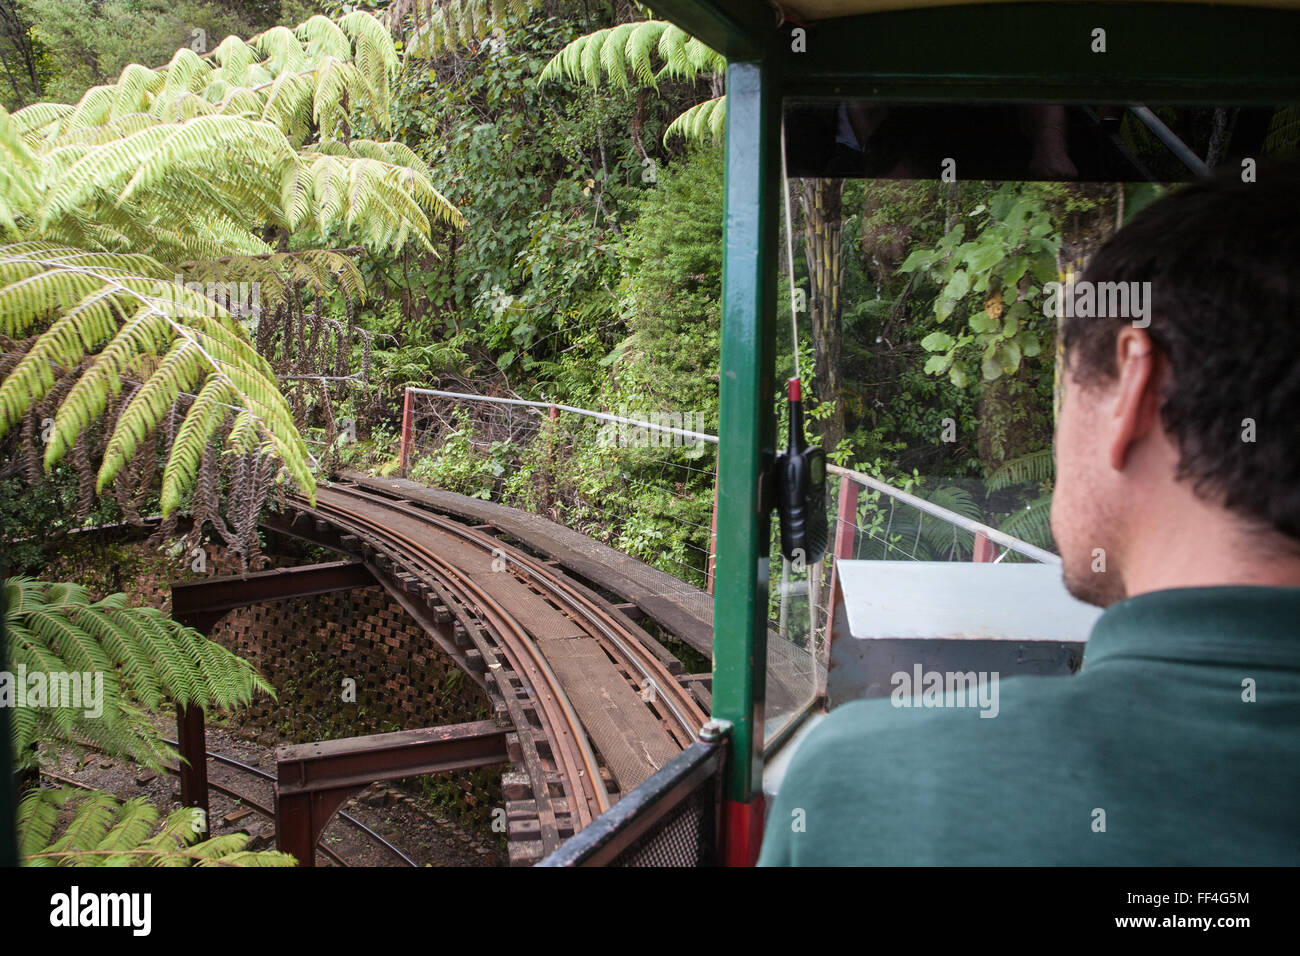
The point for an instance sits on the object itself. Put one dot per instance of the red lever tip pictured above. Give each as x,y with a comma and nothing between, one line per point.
792,389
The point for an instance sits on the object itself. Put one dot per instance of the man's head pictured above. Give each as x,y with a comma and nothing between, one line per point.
1188,429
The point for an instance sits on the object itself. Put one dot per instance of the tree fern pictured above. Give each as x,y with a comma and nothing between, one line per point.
627,53
145,659
1032,523
901,532
128,309
1037,467
100,831
213,150
702,123
1283,132
440,24
184,171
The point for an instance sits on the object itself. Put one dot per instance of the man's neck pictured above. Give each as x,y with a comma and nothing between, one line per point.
1216,551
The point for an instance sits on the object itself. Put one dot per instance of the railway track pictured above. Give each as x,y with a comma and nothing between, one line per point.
535,641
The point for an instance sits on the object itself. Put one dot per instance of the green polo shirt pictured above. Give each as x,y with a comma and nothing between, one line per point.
1177,743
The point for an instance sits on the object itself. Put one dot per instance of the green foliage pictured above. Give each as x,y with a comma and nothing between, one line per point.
100,831
442,24
624,55
140,322
145,658
1032,523
1030,519
75,44
544,177
33,518
671,289
1034,468
1001,270
218,149
199,159
702,123
892,531
456,466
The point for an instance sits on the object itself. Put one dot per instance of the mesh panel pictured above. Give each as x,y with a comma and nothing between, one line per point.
684,837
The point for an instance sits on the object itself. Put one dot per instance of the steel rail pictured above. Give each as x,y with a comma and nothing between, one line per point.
481,599
515,640
684,708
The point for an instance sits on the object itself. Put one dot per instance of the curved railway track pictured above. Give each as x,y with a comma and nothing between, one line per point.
443,560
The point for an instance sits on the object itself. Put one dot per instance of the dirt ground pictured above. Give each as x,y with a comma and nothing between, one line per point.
422,832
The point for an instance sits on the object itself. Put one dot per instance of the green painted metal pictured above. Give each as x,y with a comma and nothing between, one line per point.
748,429
738,29
1158,52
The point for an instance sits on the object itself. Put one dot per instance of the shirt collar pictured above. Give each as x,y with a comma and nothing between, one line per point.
1252,626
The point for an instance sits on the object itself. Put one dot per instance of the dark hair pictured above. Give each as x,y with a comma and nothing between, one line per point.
1223,260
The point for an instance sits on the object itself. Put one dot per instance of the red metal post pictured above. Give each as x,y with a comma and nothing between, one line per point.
846,523
406,429
985,550
742,836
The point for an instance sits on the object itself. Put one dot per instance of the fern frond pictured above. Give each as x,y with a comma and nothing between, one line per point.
134,317
1037,467
136,654
701,124
192,159
104,832
624,54
1033,523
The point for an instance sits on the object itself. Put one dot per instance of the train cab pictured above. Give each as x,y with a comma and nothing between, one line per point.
910,595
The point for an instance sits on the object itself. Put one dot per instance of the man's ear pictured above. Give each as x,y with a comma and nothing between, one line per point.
1136,406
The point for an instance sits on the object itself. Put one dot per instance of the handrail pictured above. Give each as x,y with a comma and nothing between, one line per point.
602,416
993,534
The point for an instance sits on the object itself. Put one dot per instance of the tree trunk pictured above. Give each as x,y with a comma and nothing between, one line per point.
822,202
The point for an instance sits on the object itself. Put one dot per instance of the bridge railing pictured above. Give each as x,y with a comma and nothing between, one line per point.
576,466
579,467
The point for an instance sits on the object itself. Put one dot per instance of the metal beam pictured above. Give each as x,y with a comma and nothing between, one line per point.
201,604
735,28
1161,52
314,780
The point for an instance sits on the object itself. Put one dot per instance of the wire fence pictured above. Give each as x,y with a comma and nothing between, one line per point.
644,482
641,481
